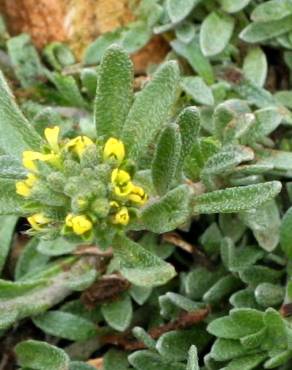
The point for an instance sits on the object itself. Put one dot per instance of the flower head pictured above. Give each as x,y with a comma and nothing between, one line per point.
121,181
115,149
80,224
122,217
79,144
138,195
38,220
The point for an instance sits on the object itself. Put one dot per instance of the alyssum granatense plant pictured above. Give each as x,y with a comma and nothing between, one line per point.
148,168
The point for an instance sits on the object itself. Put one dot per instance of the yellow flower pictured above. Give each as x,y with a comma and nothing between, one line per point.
38,220
79,144
28,158
52,136
114,148
122,182
122,217
138,195
24,187
80,224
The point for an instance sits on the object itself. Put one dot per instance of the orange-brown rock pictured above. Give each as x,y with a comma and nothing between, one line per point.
77,22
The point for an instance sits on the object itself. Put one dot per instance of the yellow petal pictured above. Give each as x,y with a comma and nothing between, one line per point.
114,148
138,195
22,189
122,217
28,158
52,136
38,220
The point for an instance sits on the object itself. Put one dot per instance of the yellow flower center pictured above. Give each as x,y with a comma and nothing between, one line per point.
79,144
122,217
38,220
80,224
122,182
115,149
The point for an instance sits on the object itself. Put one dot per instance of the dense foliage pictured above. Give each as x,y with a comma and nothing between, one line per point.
148,226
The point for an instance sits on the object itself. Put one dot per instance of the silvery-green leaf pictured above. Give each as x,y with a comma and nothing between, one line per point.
216,31
272,10
258,32
233,6
198,90
178,10
255,66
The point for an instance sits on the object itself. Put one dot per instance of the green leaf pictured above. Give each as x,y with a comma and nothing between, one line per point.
276,159
269,295
153,102
266,121
193,54
227,159
139,266
68,89
77,365
265,224
144,337
227,349
216,31
258,32
247,362
33,297
222,288
240,323
118,314
255,66
136,35
166,158
277,336
115,360
11,168
65,325
177,10
10,202
114,94
7,226
25,60
286,233
197,89
272,10
168,212
236,199
189,124
56,247
233,6
174,345
41,356
199,281
255,275
193,362
147,360
278,360
16,133
94,52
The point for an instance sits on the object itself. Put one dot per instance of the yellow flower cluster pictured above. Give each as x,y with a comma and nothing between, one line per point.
124,191
122,182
